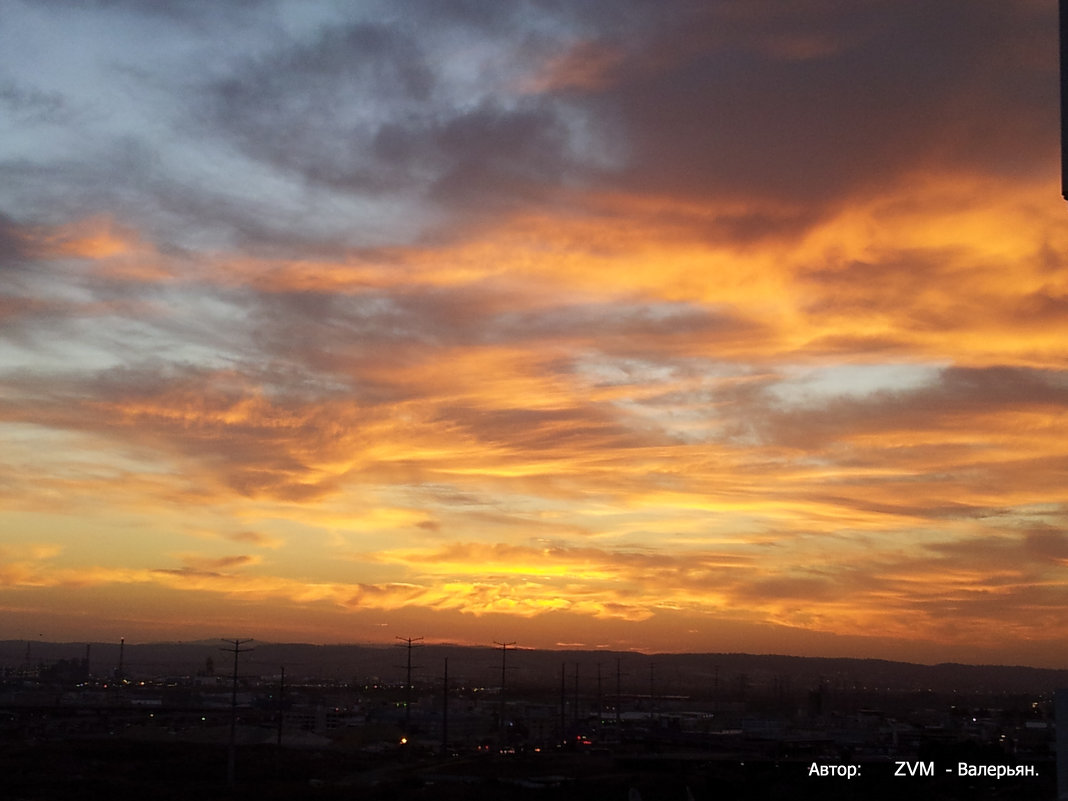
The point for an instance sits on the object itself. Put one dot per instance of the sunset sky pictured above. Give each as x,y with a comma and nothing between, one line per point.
733,325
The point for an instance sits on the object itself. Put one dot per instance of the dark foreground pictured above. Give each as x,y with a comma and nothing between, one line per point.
106,770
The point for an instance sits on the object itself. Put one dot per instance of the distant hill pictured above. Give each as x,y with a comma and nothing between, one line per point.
661,674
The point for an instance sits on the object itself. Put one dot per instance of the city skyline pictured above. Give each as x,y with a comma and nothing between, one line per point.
678,327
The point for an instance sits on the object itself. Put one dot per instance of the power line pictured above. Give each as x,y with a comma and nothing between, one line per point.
563,702
231,757
652,690
575,707
445,709
600,711
409,643
281,704
505,646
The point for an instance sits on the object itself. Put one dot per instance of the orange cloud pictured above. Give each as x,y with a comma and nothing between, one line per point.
94,238
254,538
115,251
962,590
209,564
585,66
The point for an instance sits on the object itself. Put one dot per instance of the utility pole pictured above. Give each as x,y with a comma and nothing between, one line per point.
600,714
231,757
445,709
652,689
619,698
575,705
504,655
281,704
563,702
408,642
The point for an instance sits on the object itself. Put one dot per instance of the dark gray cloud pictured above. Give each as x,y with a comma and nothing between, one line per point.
822,100
317,108
418,108
14,248
365,109
31,106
